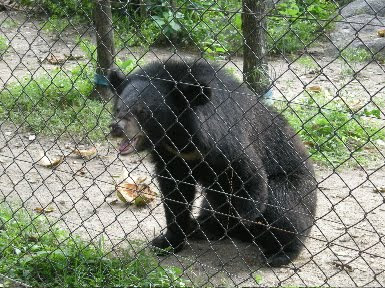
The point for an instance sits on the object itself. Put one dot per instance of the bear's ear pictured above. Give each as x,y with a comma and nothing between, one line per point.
196,94
116,78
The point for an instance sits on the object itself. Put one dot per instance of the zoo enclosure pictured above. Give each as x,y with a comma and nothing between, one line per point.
333,101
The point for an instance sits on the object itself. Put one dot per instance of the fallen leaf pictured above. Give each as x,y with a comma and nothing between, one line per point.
43,210
55,59
80,172
380,189
51,162
381,33
342,266
315,88
113,202
137,194
85,153
33,238
141,180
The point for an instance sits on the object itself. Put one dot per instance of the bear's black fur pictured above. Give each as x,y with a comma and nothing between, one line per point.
207,128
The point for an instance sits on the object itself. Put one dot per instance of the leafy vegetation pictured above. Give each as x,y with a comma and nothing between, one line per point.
296,24
42,255
62,8
212,26
335,133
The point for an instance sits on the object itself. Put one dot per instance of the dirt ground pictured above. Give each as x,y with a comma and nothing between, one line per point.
346,246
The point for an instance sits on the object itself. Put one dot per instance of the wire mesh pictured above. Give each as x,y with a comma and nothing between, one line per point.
189,175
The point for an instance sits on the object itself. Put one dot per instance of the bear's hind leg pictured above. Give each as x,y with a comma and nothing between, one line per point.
288,218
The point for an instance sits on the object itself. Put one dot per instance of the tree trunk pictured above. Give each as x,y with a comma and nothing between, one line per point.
105,48
255,70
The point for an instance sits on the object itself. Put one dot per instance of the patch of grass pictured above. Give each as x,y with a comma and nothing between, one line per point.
9,23
308,63
55,104
58,102
3,44
57,24
356,55
54,24
335,134
42,255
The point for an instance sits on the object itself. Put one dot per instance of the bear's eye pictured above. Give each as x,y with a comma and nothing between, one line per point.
141,111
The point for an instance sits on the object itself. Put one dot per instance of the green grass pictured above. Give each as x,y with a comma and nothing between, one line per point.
3,44
354,55
55,104
9,23
56,24
308,63
42,255
335,134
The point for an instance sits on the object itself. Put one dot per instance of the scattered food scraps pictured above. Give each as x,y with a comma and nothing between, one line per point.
51,161
381,33
137,194
85,153
315,88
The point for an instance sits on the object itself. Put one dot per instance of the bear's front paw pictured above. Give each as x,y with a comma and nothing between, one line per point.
168,243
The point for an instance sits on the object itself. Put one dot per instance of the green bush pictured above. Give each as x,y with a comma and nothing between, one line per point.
62,8
295,24
212,26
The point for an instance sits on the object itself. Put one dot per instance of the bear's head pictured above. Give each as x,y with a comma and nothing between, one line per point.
154,103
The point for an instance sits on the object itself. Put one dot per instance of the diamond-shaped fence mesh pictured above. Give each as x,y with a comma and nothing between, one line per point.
192,143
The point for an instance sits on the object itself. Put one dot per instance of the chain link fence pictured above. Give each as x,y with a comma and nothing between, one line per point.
192,143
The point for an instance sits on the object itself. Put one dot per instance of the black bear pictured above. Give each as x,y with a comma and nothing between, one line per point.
205,127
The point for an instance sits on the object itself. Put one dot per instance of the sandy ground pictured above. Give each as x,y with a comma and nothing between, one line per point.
346,246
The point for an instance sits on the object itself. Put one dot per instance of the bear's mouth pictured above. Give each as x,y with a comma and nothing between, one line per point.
128,146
